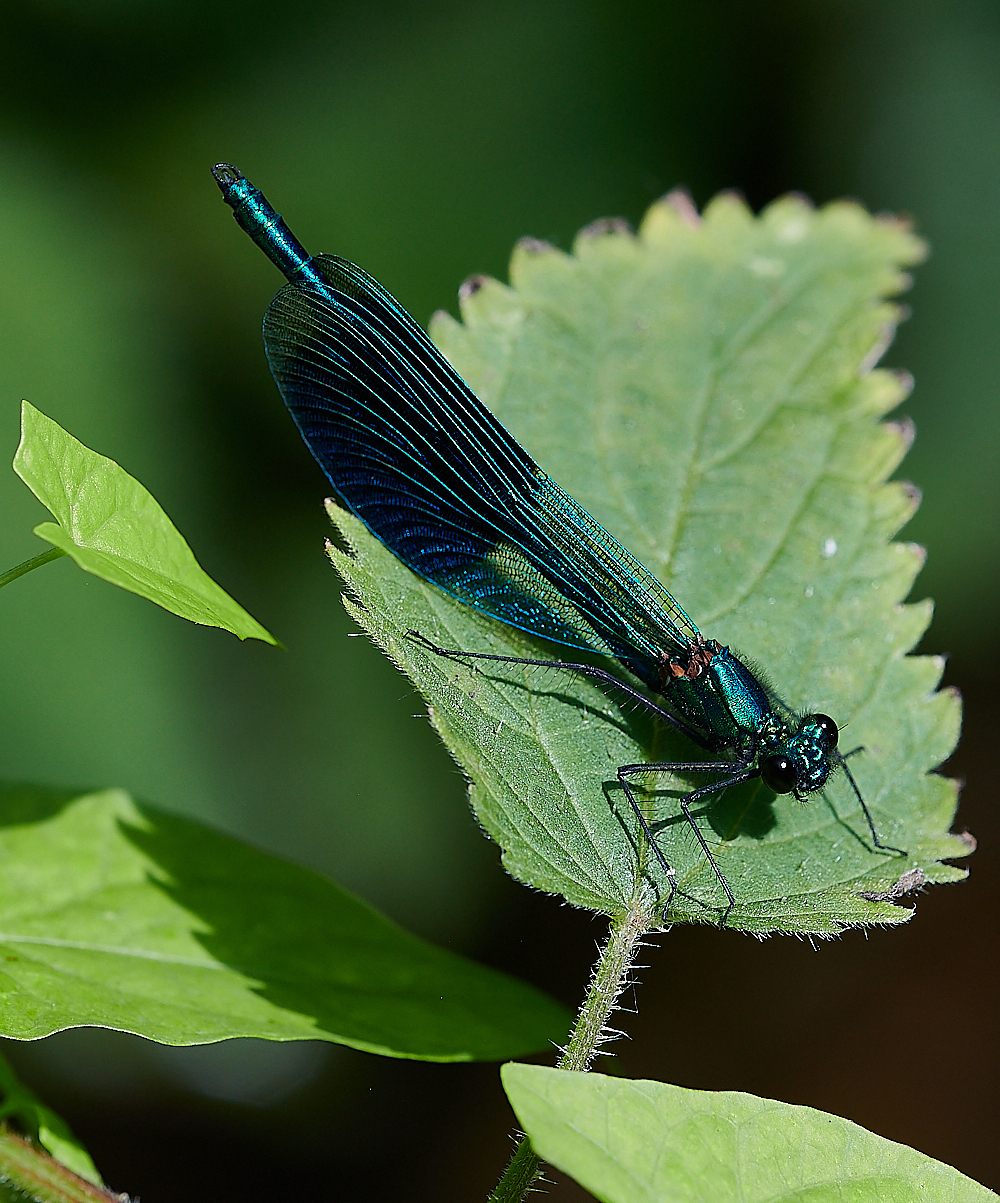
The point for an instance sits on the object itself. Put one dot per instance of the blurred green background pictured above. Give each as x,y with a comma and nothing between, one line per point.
421,140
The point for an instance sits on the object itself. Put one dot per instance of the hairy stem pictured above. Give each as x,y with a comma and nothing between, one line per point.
28,1172
521,1171
609,979
44,557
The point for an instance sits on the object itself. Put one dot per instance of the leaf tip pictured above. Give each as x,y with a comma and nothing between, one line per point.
265,636
879,347
532,256
340,519
31,415
28,415
916,550
913,495
903,381
335,512
967,838
905,430
603,227
468,288
681,203
673,214
727,208
917,249
534,246
485,300
440,318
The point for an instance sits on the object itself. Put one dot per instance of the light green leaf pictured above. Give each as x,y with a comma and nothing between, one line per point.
644,1142
120,916
114,528
42,1124
704,389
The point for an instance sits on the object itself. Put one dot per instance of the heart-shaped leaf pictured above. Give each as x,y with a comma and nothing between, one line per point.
706,390
115,528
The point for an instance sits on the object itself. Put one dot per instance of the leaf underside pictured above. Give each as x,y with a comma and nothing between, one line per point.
706,390
634,1141
117,915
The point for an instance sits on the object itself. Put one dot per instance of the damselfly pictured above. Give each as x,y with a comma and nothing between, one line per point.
415,455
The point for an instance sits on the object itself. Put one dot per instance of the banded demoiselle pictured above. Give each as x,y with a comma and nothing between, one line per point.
419,459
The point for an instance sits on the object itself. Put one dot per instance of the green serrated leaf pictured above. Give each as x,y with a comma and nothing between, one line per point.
637,1141
113,527
43,1125
705,390
117,915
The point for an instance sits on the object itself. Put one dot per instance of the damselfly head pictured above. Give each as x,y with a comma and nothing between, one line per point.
825,729
801,763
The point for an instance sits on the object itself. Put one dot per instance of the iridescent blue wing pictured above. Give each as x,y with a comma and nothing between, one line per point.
430,471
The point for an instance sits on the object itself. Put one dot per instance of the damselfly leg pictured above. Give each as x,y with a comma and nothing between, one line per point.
738,771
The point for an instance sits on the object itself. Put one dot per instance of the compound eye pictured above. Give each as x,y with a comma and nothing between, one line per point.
828,733
779,774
